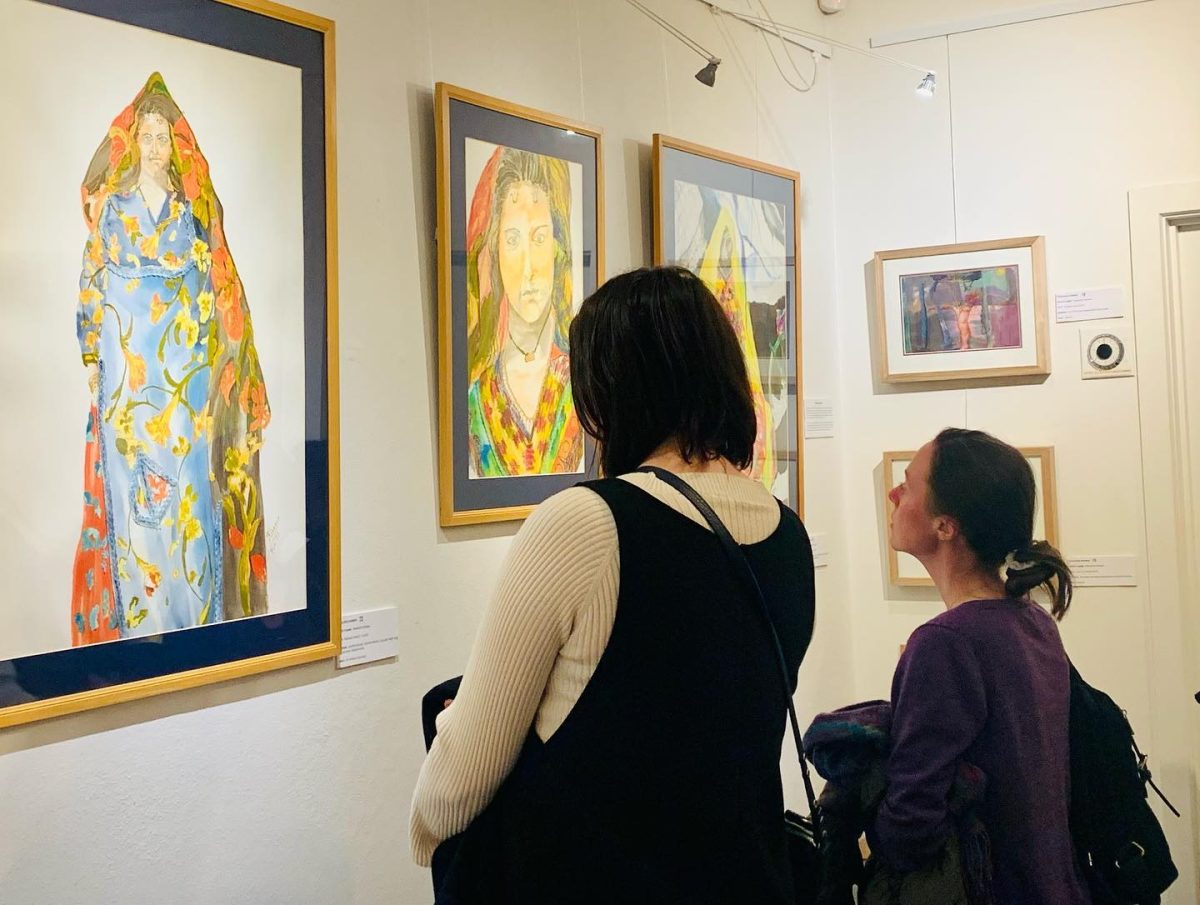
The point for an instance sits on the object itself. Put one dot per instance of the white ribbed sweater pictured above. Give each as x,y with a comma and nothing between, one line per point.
541,638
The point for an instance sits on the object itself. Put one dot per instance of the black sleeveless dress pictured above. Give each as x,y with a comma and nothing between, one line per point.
662,785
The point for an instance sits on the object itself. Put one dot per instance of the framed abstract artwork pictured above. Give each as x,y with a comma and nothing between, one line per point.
520,245
962,312
735,223
905,570
169,481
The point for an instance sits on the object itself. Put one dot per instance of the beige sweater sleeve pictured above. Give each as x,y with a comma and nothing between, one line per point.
564,556
544,631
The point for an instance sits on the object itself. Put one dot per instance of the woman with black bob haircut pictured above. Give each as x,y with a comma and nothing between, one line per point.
986,683
617,733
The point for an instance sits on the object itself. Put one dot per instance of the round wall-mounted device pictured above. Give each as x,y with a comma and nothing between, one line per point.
1105,352
829,7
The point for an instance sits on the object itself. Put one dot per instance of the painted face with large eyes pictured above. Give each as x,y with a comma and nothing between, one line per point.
154,146
526,251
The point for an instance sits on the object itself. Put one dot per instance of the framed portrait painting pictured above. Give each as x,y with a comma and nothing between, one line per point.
962,312
735,223
169,481
905,570
520,245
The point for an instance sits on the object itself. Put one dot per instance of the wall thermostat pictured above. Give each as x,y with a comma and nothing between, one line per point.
829,7
1106,351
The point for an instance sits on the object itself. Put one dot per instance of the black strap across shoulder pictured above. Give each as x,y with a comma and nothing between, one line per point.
741,564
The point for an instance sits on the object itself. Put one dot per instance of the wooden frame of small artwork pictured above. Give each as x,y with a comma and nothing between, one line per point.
494,464
906,571
764,198
972,311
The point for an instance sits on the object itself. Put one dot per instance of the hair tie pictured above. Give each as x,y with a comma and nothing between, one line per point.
1013,564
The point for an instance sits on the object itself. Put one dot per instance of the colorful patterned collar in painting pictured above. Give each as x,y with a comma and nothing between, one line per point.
552,444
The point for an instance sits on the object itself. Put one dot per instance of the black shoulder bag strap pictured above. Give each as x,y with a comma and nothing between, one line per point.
741,564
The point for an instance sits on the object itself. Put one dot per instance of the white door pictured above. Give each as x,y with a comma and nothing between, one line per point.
1165,243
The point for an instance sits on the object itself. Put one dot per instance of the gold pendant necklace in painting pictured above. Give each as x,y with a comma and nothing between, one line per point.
529,355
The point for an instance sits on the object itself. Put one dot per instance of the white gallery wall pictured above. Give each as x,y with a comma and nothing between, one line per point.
1040,128
294,787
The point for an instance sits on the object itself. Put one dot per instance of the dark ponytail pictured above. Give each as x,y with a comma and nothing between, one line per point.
1040,566
987,487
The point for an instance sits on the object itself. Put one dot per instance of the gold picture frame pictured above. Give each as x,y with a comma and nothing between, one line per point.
970,311
461,115
749,189
78,679
905,571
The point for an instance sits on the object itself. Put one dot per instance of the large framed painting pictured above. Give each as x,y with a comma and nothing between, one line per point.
735,223
905,570
520,245
167,283
962,312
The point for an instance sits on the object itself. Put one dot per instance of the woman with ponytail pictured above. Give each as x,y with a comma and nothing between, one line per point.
986,682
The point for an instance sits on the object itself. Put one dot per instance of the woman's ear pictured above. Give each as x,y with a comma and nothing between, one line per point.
945,528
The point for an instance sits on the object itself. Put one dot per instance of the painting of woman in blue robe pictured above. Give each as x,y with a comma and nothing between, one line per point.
173,522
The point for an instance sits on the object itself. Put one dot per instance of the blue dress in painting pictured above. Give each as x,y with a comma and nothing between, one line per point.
173,530
149,293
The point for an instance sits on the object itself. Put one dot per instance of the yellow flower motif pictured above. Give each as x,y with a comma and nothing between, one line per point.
89,295
186,328
202,425
182,447
204,302
132,285
201,255
123,421
157,308
148,246
123,568
133,227
171,260
176,210
114,249
236,458
95,251
188,523
136,366
158,428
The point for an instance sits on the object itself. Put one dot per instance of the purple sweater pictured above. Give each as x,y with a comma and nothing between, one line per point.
986,682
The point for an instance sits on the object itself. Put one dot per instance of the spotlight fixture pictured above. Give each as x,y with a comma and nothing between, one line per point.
820,46
708,75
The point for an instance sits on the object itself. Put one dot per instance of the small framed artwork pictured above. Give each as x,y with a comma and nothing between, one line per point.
170,485
735,222
905,570
520,245
962,312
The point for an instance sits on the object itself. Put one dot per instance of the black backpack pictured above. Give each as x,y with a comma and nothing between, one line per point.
1118,840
